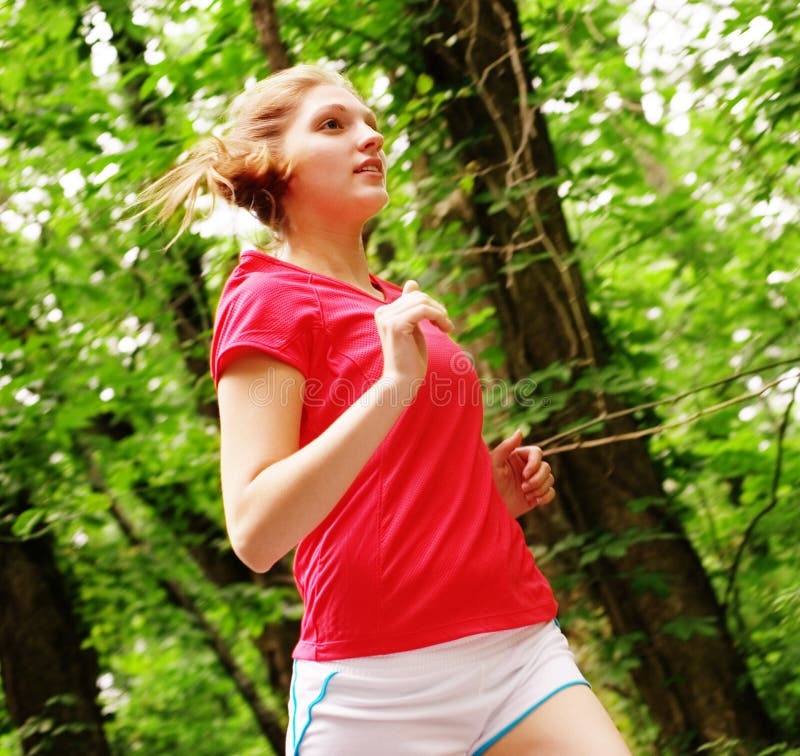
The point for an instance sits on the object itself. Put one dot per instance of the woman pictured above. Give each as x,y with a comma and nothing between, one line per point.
351,430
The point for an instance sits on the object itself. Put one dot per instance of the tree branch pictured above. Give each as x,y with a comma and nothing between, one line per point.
590,443
265,20
669,400
266,719
771,504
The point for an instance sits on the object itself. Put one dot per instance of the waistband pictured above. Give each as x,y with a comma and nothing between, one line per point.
478,648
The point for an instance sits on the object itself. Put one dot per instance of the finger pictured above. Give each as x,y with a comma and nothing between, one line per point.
422,309
432,311
414,297
410,286
419,341
541,499
508,445
534,460
541,496
539,476
538,484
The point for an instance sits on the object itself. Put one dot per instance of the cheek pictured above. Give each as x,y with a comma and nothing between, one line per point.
321,168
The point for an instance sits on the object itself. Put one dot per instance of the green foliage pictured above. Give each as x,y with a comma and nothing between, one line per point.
688,241
9,738
686,627
691,258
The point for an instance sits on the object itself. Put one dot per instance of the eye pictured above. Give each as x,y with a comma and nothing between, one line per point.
330,124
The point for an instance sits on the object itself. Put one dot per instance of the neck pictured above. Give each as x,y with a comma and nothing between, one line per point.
338,253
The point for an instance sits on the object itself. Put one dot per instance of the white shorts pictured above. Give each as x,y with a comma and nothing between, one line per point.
451,699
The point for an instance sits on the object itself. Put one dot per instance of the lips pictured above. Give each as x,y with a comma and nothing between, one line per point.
372,165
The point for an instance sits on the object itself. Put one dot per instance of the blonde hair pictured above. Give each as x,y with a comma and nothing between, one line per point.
245,166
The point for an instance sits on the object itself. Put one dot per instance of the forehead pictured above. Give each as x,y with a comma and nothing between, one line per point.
329,95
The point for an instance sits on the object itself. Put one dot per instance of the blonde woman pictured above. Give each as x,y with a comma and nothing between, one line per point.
351,431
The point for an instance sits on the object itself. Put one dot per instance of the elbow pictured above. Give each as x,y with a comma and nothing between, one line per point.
253,559
246,536
251,551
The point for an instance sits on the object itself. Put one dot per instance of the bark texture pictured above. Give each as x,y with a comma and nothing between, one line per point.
49,679
265,19
697,689
193,314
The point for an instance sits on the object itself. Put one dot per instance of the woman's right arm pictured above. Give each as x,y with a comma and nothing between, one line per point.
275,493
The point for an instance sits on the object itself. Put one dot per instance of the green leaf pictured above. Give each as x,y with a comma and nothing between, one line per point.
424,84
26,523
684,627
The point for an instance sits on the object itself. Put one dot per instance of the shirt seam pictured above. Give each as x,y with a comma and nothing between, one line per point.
534,609
329,335
379,531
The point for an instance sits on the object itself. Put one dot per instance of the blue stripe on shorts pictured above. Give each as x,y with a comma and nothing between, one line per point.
295,740
489,743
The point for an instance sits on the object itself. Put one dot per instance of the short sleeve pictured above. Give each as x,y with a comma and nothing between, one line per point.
264,311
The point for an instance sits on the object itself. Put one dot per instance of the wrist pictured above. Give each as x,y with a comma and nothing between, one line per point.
397,391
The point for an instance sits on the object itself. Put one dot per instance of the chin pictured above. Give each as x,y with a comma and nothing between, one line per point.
352,210
372,206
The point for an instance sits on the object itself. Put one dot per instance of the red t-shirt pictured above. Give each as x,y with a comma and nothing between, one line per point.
421,549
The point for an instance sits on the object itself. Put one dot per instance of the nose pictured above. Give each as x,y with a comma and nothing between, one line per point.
370,139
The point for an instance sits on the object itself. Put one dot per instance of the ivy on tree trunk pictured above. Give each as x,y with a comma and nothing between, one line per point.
690,673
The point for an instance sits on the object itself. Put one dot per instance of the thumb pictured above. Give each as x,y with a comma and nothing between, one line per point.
504,449
410,286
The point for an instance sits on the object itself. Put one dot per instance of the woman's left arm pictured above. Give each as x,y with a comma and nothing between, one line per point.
521,475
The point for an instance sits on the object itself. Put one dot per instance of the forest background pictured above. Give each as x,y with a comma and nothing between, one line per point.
604,196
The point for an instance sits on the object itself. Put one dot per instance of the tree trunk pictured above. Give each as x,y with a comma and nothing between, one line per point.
697,688
265,19
49,678
267,720
193,314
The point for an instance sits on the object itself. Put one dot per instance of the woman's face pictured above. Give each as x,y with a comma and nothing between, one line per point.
337,168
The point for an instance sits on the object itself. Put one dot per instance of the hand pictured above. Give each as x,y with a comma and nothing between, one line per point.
523,479
405,353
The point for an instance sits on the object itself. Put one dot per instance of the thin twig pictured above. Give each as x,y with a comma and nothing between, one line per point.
267,720
501,248
771,504
668,400
590,443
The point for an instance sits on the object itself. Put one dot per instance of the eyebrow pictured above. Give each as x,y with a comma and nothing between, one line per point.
366,112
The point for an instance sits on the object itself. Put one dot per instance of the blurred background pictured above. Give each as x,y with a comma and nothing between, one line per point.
604,194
